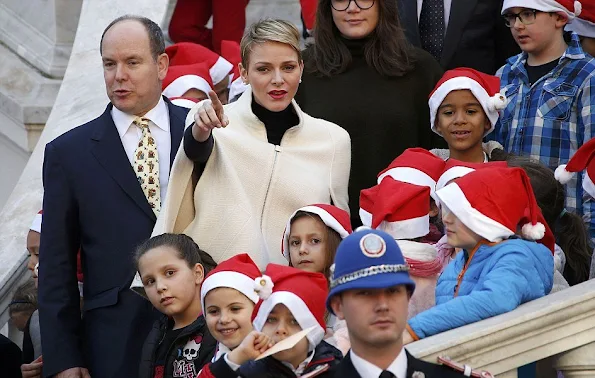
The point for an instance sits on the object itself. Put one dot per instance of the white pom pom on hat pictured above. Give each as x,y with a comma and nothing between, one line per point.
562,175
580,161
533,231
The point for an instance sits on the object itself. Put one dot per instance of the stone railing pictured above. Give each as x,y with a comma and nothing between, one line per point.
81,98
560,325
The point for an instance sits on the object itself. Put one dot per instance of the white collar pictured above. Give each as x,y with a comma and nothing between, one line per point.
301,367
159,115
366,369
220,350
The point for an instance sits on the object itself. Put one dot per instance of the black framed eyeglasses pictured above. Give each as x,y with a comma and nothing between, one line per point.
342,5
526,17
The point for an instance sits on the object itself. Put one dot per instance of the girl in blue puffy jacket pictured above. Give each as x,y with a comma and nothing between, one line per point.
493,216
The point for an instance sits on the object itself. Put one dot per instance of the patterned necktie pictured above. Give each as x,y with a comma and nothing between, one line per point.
387,374
146,165
431,27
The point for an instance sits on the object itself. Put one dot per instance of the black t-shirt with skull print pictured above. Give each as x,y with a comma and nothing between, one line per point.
182,353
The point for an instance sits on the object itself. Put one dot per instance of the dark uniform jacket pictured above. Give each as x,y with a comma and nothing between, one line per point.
346,369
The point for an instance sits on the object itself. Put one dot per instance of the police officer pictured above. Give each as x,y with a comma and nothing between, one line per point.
370,290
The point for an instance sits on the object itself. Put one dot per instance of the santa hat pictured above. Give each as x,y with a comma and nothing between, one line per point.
585,24
570,8
303,293
180,79
333,217
415,166
36,224
398,208
581,160
185,53
185,102
237,87
238,272
494,210
485,88
230,51
456,168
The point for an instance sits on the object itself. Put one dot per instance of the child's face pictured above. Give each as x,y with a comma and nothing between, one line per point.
458,235
588,45
229,315
536,38
308,244
281,324
461,121
170,284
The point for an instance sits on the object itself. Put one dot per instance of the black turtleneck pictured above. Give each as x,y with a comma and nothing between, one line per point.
383,115
275,123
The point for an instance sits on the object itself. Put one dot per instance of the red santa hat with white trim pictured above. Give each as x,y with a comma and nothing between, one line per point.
581,160
189,53
569,8
485,88
585,24
239,273
456,168
185,102
333,217
398,208
495,211
36,224
182,78
303,293
415,166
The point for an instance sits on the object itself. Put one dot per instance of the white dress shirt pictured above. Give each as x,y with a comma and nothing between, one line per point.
447,4
130,134
367,370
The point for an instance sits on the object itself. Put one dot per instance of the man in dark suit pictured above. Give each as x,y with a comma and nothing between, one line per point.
370,290
104,182
459,33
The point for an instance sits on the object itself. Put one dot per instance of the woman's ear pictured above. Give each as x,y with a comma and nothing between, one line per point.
243,73
199,273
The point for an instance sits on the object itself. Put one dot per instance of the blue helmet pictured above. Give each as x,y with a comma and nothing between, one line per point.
368,259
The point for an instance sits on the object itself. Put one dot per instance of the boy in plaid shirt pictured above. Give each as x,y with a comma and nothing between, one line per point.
550,89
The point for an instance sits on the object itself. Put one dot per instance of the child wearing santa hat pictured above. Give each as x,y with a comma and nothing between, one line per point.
297,303
464,108
310,241
584,26
453,170
402,204
228,296
497,271
190,54
187,84
549,91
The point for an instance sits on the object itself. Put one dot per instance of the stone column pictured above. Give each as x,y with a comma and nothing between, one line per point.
578,362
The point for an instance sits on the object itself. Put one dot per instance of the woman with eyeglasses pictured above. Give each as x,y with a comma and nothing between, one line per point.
362,74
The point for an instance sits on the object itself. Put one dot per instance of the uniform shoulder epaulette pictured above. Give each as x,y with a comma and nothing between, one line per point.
465,369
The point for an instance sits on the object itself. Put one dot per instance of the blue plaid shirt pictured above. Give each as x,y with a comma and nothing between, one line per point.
552,118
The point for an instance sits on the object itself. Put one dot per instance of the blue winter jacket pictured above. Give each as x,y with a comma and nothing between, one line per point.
498,278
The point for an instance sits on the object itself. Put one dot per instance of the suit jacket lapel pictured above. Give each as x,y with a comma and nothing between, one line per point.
110,153
177,120
346,369
409,21
460,12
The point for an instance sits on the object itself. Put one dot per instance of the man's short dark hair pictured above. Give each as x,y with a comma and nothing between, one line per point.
156,40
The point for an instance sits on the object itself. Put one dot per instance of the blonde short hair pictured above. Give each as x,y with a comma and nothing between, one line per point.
270,30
